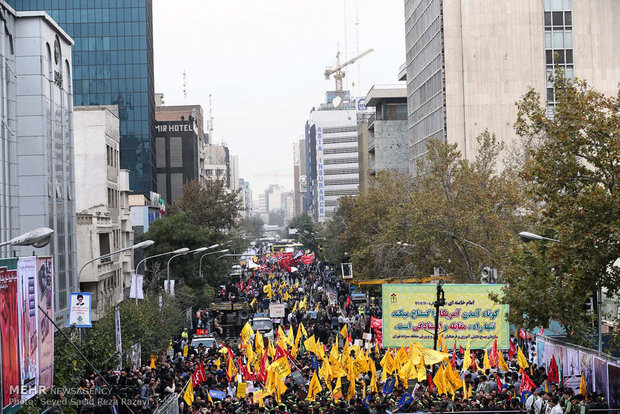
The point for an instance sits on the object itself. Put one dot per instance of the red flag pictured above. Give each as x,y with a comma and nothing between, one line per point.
473,361
552,372
523,334
499,384
279,353
346,305
493,357
376,323
542,331
261,375
453,360
199,376
526,383
511,350
461,350
430,381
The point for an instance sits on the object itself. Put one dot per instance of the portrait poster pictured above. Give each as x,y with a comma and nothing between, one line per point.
79,310
586,365
45,289
601,384
549,352
540,352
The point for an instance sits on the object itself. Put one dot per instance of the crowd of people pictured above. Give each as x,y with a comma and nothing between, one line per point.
321,318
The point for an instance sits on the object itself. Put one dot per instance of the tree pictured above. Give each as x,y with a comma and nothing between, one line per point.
201,217
572,176
252,226
306,231
459,216
210,205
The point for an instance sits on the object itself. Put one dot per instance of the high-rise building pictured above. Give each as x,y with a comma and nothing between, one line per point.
299,176
37,178
113,65
385,143
333,170
103,221
177,157
468,62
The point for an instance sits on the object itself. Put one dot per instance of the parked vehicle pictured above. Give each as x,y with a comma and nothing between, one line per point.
264,326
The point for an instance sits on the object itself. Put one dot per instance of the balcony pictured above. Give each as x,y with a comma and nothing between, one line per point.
371,144
371,121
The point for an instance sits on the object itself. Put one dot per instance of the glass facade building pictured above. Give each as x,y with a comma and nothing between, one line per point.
113,65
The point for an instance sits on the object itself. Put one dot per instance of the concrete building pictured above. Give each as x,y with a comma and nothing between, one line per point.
288,206
177,157
217,162
273,198
113,58
467,63
299,176
384,133
334,156
246,197
261,205
185,113
143,212
103,223
37,179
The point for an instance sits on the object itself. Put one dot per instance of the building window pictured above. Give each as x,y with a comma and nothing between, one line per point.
558,23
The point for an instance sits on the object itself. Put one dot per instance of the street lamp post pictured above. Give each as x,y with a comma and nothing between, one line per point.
208,254
184,252
528,237
184,249
38,238
140,245
441,301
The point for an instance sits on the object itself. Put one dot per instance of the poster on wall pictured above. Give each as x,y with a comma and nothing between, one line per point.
9,332
469,313
549,352
79,310
614,385
28,326
587,368
540,353
570,365
45,289
601,385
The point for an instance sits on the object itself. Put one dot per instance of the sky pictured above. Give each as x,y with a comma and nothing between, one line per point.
263,62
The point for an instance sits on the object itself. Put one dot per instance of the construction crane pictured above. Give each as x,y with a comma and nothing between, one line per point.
337,71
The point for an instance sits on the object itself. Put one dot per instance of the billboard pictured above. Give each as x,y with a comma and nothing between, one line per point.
45,289
28,326
9,333
469,313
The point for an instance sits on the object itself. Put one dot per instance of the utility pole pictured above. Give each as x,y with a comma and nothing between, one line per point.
441,301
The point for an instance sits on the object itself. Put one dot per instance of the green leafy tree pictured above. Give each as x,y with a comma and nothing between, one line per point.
252,226
572,175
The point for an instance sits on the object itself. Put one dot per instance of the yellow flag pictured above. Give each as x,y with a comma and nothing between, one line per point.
314,388
582,386
440,341
290,339
521,360
421,370
373,376
439,381
485,361
303,330
209,396
253,302
153,359
467,358
464,388
280,367
298,336
246,332
389,364
185,351
189,394
344,332
337,392
501,362
294,308
231,369
258,398
309,344
217,363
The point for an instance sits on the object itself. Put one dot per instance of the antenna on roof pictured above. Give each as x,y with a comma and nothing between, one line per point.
184,88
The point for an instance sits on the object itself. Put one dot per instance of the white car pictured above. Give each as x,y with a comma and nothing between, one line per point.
207,341
264,326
